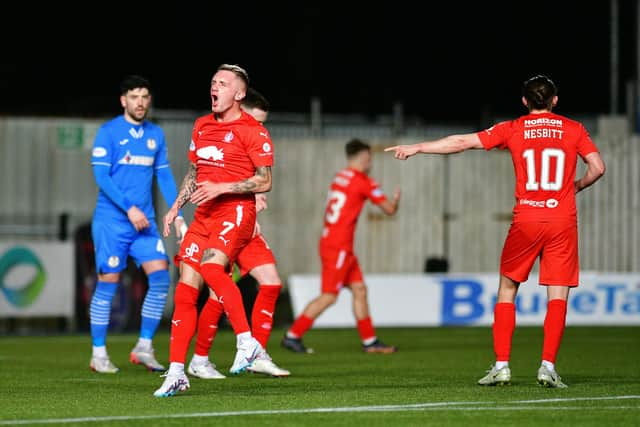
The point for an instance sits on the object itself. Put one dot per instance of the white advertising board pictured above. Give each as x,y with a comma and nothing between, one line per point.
36,279
468,299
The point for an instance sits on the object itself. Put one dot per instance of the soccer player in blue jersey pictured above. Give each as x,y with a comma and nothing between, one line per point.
127,152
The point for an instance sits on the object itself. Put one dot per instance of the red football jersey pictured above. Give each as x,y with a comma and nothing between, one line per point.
347,194
544,150
228,152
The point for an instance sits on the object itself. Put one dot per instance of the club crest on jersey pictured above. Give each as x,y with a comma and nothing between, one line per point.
228,137
151,144
113,261
137,134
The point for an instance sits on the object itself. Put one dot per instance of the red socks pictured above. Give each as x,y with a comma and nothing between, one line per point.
228,294
263,310
301,325
504,323
365,329
183,322
207,326
554,323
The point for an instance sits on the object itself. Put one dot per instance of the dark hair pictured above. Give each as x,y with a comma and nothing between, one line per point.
133,81
237,70
355,146
539,92
255,99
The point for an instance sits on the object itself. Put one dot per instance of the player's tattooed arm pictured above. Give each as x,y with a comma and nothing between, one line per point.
188,186
259,183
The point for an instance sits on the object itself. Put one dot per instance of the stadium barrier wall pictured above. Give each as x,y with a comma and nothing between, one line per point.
467,299
456,207
37,279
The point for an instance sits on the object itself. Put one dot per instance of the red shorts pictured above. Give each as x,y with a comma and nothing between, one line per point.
227,230
555,243
339,268
256,253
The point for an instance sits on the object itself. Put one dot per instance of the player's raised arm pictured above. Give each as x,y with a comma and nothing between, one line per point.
447,145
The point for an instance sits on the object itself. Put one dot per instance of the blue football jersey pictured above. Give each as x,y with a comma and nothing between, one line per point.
132,153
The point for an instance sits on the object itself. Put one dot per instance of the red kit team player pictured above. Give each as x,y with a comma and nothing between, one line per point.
349,190
231,157
544,148
258,260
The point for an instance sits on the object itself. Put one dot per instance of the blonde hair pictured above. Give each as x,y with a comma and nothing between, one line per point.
237,70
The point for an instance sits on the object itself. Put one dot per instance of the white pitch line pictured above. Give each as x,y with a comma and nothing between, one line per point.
575,399
429,406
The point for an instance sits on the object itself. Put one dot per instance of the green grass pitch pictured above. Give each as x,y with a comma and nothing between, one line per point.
430,381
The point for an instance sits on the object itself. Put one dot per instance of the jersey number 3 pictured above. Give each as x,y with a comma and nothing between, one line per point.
335,203
545,183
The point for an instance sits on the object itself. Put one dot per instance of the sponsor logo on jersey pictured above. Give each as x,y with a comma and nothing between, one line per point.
192,250
192,146
113,261
210,153
266,147
549,203
151,144
130,159
341,181
136,134
542,121
99,152
124,141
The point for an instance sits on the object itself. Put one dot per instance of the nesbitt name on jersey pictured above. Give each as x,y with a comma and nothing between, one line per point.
543,133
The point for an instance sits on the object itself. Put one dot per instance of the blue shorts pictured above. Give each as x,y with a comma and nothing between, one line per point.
114,241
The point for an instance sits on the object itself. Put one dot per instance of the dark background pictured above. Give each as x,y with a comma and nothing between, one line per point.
442,60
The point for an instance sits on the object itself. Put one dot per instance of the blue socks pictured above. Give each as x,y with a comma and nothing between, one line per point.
154,302
100,311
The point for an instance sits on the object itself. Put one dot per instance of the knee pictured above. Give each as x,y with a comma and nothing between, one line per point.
328,299
359,290
266,274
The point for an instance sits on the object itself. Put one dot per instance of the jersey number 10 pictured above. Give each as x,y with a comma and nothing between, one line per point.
545,182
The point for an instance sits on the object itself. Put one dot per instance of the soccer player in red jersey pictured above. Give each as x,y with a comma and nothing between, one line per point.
258,260
350,189
231,156
544,148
